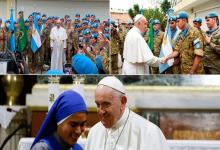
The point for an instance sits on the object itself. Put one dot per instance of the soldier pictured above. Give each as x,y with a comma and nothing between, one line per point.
70,32
197,23
3,37
212,45
17,32
158,39
104,51
188,47
29,54
116,47
175,69
76,35
92,50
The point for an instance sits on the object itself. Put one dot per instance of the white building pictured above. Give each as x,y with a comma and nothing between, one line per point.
56,7
196,8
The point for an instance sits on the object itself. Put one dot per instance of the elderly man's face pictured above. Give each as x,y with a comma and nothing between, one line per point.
71,129
109,106
58,23
143,25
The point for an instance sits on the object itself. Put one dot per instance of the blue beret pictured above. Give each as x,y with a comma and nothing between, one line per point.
94,35
77,14
87,15
92,15
197,20
156,21
85,22
112,21
182,15
77,20
211,15
68,19
172,18
77,25
97,20
95,25
83,64
86,31
27,20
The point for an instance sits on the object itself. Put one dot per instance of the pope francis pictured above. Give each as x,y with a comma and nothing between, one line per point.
120,128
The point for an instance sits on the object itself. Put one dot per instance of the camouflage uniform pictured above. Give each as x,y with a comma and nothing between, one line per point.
69,43
28,50
105,60
175,69
158,39
3,39
187,48
116,46
212,54
75,41
47,43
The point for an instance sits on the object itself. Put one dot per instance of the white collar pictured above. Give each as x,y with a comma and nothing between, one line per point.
138,30
122,120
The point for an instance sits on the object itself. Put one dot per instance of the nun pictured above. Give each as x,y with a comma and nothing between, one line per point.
63,125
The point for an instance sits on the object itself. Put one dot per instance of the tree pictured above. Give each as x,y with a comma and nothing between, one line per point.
165,5
133,12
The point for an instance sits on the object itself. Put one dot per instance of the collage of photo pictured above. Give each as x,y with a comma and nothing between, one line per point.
109,75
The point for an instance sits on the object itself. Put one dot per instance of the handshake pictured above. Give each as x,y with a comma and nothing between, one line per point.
164,59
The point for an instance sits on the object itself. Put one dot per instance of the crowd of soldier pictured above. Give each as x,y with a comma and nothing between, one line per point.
87,35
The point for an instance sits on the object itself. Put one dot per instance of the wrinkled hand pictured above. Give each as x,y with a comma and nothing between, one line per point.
208,39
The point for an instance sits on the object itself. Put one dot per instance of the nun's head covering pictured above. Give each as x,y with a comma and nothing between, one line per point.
67,104
113,82
83,64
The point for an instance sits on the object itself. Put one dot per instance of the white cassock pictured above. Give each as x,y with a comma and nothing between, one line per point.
58,38
137,54
134,134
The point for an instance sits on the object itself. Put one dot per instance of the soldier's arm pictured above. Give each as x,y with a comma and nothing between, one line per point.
105,60
196,63
198,51
75,42
214,46
90,55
